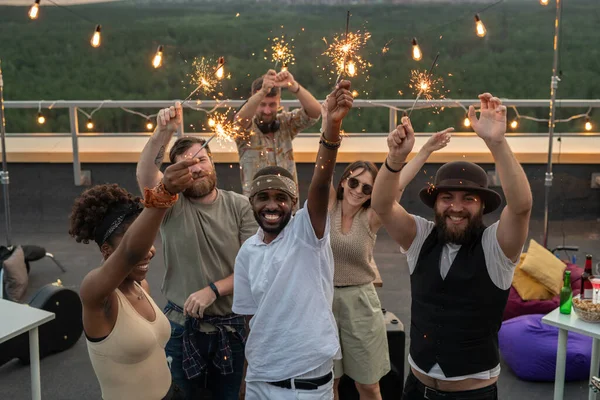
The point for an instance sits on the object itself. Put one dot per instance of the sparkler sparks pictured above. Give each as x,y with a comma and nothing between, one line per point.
425,85
206,75
223,127
344,53
282,52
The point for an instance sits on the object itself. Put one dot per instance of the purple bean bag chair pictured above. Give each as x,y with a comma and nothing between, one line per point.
516,306
528,346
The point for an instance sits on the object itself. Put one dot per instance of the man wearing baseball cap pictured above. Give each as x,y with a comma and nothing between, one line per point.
460,270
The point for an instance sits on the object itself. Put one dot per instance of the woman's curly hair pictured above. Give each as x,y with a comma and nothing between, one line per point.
90,208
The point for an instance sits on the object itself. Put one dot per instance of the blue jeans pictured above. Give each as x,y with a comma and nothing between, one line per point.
222,387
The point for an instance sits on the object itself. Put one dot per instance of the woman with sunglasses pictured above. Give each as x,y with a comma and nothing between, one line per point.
356,306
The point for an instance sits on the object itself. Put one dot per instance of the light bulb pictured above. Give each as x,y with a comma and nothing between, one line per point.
479,27
467,122
220,73
34,10
96,38
544,2
220,68
416,50
355,93
351,68
90,124
588,124
149,125
157,62
40,118
211,122
514,124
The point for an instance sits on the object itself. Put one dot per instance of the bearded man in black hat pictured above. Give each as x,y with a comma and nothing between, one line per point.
460,270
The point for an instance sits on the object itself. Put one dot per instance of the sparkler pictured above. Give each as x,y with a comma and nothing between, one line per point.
344,52
224,128
204,76
424,83
282,52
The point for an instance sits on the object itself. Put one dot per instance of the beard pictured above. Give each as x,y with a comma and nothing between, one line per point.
202,187
466,235
272,229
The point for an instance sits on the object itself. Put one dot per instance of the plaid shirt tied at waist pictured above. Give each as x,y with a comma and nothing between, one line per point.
193,362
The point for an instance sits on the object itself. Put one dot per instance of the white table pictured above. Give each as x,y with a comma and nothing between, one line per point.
18,318
565,323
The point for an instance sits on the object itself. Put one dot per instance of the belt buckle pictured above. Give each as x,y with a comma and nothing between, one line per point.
429,391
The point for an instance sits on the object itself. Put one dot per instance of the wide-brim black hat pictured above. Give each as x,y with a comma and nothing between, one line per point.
461,176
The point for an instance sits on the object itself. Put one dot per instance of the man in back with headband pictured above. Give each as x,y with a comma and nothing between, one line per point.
283,280
201,235
269,134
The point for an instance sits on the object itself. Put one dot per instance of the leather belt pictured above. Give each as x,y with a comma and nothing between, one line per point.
304,384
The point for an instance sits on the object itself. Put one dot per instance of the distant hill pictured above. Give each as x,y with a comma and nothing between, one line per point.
51,58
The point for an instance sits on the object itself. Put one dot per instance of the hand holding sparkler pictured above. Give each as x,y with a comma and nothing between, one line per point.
338,103
400,142
491,125
269,82
169,119
286,79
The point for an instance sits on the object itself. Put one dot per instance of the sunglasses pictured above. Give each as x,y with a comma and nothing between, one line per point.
366,189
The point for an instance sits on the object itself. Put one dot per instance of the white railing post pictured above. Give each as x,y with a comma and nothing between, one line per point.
81,177
393,119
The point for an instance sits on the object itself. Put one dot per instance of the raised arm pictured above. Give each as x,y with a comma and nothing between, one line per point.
397,221
307,100
246,113
148,168
338,104
437,141
101,282
514,220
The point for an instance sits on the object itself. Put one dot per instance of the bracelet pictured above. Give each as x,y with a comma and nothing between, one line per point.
159,197
296,92
328,144
391,169
214,289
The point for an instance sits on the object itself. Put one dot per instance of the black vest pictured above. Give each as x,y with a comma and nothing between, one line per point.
455,321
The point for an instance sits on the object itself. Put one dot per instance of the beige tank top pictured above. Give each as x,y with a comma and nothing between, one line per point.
130,363
353,251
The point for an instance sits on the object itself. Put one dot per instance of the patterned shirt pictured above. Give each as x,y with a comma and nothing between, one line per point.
257,150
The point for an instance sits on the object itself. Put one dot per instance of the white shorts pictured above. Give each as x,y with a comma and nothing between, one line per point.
266,391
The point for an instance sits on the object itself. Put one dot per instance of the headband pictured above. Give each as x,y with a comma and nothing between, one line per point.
113,219
274,182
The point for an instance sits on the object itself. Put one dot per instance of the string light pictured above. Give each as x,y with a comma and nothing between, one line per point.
157,62
514,124
544,2
40,118
467,122
588,124
479,27
90,124
355,93
416,50
149,124
34,10
96,37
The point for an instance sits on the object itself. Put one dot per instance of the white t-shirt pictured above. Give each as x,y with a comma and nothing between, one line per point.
500,269
287,285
